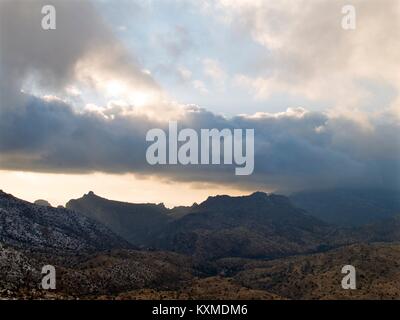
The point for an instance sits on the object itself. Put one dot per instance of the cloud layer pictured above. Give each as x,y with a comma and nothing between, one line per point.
294,150
82,52
308,53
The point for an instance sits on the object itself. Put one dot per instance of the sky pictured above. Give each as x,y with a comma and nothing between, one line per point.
76,102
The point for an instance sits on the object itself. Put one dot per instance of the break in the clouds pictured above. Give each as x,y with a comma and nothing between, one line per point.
308,54
81,98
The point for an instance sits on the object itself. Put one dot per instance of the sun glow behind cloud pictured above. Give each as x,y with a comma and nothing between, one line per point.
97,78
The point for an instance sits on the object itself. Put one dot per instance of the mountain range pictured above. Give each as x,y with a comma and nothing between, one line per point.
260,246
256,226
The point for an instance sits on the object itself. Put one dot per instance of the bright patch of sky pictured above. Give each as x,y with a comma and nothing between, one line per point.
195,57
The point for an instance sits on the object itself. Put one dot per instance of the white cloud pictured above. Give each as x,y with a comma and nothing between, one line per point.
308,53
214,71
200,86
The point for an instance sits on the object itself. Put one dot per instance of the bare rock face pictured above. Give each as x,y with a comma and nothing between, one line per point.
25,225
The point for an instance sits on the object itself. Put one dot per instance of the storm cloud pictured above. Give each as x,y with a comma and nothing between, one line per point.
294,150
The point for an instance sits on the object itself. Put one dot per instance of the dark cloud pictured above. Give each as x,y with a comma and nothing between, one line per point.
293,151
52,57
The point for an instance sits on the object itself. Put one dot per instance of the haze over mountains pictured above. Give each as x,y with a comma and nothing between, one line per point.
349,206
259,246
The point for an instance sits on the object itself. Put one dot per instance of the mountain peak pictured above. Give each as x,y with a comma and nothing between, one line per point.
91,195
255,198
259,195
41,202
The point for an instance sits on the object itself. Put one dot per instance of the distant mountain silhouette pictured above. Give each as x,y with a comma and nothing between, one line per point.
258,225
349,207
137,223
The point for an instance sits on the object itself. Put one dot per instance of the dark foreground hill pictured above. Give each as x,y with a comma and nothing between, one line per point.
127,274
319,276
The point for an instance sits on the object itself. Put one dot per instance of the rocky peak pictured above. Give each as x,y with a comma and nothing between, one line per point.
42,202
253,200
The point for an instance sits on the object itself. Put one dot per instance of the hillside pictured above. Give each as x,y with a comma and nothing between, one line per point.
318,276
34,227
